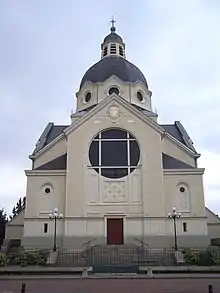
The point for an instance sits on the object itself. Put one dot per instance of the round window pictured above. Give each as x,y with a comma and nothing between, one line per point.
47,190
114,90
182,189
114,153
88,97
140,96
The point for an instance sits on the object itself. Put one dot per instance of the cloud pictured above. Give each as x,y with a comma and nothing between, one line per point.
211,162
48,46
13,184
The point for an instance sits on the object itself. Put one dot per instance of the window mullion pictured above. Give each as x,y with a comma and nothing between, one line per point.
100,153
112,152
128,154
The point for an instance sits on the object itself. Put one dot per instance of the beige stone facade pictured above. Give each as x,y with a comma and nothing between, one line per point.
165,175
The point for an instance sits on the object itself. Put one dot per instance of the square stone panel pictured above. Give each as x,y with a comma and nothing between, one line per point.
114,191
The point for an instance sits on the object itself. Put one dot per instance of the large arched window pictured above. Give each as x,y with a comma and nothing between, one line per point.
114,153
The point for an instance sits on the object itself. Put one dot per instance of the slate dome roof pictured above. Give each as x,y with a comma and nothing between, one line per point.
113,37
113,65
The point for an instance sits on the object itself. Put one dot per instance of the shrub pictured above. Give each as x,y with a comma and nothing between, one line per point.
207,257
3,259
29,258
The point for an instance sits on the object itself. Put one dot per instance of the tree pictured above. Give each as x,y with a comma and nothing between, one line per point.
19,207
3,221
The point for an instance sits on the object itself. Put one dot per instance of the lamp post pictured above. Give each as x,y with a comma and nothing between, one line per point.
174,215
55,216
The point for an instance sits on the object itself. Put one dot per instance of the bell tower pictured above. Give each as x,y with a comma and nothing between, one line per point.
113,44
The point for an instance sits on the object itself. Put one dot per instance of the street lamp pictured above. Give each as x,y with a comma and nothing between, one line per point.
174,215
55,216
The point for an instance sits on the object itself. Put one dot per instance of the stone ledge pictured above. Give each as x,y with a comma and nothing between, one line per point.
162,269
109,276
180,269
39,269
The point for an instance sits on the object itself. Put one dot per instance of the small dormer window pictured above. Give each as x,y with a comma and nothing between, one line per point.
114,90
113,49
121,51
105,51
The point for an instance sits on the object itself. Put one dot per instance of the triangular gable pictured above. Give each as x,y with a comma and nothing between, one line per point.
114,99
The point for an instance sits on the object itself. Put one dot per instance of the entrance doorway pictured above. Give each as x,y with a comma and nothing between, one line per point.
115,231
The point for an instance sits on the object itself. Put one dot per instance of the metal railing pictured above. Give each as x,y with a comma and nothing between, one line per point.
125,255
88,243
115,256
142,242
120,255
71,258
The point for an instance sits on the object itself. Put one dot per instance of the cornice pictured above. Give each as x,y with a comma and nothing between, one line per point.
196,171
45,172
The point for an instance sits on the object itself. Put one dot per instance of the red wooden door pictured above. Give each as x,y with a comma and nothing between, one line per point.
115,233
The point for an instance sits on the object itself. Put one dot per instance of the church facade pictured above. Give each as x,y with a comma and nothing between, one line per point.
114,173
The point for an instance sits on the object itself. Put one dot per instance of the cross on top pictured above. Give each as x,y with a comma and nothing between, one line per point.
113,21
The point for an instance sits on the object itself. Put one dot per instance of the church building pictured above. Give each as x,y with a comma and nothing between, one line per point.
114,173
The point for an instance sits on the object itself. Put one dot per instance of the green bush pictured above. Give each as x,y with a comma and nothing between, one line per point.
216,257
32,258
3,259
207,257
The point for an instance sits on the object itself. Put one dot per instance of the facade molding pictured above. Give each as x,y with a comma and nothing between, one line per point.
199,171
67,218
45,172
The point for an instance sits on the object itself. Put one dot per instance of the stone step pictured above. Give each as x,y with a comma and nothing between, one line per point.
105,255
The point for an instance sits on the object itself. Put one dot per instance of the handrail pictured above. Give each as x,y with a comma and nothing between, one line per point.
142,241
89,242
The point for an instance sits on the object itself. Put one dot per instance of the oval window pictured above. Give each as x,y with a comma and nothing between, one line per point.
88,97
140,96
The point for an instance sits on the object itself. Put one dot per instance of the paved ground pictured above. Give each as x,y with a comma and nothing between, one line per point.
111,286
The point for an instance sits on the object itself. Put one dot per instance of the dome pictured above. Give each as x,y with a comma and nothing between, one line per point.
113,65
113,37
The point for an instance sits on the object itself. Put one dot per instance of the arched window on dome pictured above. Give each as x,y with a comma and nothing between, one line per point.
113,89
114,153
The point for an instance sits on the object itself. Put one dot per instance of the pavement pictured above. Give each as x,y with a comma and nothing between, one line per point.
57,285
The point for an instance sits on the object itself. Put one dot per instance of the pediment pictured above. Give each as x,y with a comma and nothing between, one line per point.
115,108
112,108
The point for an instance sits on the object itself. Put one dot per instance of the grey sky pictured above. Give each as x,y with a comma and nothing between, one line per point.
47,45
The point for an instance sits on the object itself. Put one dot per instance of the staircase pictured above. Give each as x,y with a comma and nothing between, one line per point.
70,259
112,254
116,258
157,257
113,258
